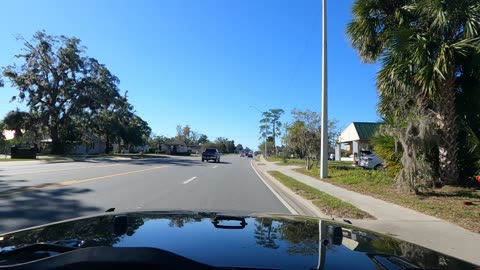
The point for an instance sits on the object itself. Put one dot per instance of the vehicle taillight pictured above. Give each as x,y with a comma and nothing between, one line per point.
369,159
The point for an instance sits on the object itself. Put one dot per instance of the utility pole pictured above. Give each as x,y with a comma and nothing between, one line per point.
324,142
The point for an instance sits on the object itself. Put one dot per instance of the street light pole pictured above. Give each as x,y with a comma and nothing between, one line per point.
324,142
266,130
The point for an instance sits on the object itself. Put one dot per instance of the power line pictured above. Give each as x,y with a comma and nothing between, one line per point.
302,53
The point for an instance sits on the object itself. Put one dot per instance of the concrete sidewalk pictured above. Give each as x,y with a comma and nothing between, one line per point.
396,220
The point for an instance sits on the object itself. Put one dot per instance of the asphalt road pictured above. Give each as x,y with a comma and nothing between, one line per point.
35,193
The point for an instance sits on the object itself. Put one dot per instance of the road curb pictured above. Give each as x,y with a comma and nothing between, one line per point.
279,197
299,204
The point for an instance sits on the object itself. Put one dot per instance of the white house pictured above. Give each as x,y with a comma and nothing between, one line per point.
173,148
92,145
357,137
8,134
195,149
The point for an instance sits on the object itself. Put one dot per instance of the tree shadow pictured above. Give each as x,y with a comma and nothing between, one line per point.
150,161
37,207
170,160
343,167
8,185
460,193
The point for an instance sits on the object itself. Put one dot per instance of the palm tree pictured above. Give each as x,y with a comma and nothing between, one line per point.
421,45
273,116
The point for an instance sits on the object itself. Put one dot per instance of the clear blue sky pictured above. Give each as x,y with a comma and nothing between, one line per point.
203,63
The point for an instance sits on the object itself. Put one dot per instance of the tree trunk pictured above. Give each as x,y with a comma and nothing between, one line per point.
107,144
273,135
448,129
57,147
18,133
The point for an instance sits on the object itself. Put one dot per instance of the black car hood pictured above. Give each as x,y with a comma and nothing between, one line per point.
255,241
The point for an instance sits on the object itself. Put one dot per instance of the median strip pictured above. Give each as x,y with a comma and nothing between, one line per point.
72,182
330,205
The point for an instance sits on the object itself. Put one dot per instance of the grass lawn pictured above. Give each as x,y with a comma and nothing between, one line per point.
289,161
445,203
14,159
329,204
42,157
301,162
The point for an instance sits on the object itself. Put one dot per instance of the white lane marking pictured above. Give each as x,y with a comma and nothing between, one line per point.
214,166
189,180
274,192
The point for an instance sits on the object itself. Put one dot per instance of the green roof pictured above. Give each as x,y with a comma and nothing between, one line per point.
365,130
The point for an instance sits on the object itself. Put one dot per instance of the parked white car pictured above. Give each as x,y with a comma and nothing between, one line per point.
371,162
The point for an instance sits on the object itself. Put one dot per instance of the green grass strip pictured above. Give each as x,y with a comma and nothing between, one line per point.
330,205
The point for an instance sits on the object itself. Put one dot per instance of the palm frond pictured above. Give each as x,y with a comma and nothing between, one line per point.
369,32
472,20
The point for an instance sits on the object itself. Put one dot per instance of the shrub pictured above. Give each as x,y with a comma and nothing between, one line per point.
386,149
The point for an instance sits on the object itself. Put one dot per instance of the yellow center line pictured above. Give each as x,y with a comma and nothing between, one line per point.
72,182
67,169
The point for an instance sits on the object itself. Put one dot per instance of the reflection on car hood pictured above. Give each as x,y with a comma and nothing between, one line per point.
255,241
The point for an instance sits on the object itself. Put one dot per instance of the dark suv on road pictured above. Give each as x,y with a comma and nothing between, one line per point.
211,154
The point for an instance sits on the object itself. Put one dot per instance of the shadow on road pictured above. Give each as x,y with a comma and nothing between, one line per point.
170,160
176,161
31,208
221,162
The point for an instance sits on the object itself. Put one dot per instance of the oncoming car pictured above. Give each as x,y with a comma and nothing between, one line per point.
211,154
